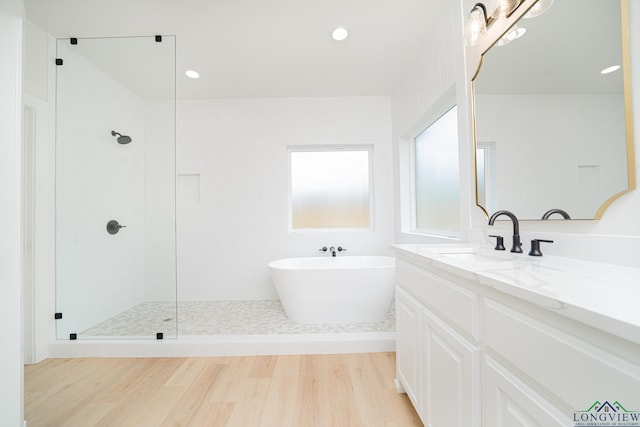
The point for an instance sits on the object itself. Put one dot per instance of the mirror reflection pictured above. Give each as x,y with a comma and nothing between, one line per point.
550,122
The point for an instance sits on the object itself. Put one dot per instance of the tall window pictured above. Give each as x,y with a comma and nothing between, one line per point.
330,187
485,171
436,180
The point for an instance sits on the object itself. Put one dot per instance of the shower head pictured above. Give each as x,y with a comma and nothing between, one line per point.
122,139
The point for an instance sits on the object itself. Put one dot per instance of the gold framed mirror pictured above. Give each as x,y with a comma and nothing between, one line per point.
551,131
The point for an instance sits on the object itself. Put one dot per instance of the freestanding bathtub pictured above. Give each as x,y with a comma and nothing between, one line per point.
346,289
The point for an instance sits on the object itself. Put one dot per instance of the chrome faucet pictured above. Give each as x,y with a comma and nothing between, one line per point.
550,212
517,248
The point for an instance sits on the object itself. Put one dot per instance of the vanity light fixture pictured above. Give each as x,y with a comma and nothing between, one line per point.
479,20
192,74
502,8
538,9
610,69
340,34
476,26
514,33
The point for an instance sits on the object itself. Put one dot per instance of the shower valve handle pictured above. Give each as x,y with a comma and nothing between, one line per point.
113,227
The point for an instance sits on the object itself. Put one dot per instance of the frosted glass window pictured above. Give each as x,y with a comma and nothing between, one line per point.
485,175
330,188
437,189
481,176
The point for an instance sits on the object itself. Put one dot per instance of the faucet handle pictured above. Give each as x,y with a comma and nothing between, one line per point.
499,242
535,246
340,249
323,249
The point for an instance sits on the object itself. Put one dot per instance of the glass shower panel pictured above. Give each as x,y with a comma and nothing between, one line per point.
115,188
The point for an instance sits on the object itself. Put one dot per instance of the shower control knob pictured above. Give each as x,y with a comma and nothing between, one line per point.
113,227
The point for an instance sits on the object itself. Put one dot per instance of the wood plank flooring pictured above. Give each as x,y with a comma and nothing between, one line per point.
345,390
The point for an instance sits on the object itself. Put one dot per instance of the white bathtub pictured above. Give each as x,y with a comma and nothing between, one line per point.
345,289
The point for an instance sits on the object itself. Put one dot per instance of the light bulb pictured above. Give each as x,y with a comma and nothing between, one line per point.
476,26
514,33
502,8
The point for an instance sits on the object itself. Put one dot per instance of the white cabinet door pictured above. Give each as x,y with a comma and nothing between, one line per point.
509,402
408,312
451,387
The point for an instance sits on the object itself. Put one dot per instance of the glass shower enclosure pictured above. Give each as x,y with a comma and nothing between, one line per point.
115,188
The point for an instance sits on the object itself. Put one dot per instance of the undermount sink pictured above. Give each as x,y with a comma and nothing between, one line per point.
455,250
471,254
474,257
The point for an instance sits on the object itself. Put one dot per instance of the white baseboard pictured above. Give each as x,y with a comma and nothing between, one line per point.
228,345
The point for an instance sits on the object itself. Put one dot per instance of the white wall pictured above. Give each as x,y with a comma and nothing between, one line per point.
433,84
233,187
11,356
159,201
39,96
615,238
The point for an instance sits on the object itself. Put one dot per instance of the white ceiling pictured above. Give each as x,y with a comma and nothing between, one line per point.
260,48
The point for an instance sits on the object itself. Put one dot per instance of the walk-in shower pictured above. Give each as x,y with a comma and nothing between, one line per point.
104,185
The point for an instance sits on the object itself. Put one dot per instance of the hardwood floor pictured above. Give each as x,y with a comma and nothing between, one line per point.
347,390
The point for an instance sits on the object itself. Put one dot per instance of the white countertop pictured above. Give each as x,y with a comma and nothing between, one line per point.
604,296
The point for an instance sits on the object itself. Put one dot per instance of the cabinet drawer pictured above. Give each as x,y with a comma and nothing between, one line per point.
578,372
450,301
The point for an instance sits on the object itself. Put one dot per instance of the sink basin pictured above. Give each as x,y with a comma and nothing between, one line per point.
455,250
469,255
473,257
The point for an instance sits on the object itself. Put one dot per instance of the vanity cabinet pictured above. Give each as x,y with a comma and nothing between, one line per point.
408,313
469,354
437,365
549,363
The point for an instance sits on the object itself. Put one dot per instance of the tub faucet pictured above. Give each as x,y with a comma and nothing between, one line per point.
334,250
517,248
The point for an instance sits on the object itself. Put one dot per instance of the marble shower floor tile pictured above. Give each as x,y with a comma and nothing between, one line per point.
264,317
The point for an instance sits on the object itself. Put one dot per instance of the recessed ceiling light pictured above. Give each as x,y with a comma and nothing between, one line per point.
340,34
192,74
610,69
